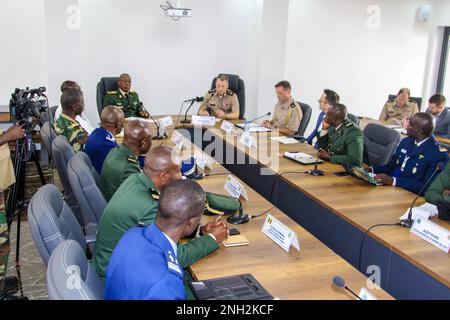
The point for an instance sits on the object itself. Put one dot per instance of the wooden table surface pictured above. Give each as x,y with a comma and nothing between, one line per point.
306,274
353,200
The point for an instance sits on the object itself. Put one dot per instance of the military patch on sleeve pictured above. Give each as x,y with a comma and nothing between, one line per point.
132,160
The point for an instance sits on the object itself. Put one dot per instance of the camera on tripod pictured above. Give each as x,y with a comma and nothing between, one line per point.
27,105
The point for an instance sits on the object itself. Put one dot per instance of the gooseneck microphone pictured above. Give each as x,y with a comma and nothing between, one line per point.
158,128
239,218
316,172
192,101
339,282
409,222
259,118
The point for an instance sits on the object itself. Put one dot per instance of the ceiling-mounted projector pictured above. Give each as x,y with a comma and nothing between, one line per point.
176,12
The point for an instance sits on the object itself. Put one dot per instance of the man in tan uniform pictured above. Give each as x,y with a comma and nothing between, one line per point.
396,111
288,114
220,102
8,285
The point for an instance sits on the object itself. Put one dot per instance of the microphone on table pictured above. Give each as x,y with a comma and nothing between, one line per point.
339,282
316,172
192,101
158,128
259,118
239,218
407,223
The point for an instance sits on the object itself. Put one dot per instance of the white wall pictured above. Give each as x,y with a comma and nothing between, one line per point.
169,61
22,46
330,46
315,44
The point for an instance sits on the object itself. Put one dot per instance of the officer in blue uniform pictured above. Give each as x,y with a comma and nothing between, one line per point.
103,139
416,158
144,264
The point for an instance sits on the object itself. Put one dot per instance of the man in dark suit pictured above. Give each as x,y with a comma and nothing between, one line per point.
441,114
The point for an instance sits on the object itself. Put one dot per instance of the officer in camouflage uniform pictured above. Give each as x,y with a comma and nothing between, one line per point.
220,102
340,141
72,103
125,99
8,285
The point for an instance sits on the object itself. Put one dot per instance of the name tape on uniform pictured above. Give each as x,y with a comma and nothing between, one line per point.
432,233
235,188
280,234
227,126
165,122
203,121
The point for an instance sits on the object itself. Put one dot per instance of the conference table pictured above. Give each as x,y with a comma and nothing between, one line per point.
306,274
338,211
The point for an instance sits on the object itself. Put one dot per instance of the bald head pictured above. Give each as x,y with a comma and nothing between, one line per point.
180,201
421,126
112,119
162,165
138,137
124,82
337,113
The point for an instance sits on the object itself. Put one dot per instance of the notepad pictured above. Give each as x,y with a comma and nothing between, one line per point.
236,241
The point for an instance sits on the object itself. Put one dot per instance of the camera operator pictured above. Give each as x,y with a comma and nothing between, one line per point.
8,285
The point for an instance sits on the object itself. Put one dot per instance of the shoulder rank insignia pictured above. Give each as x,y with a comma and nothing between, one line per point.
212,91
111,92
154,193
349,124
230,93
132,160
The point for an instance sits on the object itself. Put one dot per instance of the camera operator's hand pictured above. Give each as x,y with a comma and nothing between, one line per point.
12,134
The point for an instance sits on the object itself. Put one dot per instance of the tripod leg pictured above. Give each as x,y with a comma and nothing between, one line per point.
39,169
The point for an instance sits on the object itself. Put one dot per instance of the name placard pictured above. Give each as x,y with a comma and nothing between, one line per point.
432,233
280,234
248,140
227,126
165,122
203,161
235,188
203,121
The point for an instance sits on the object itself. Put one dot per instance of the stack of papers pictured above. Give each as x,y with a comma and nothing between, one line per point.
285,140
253,127
426,211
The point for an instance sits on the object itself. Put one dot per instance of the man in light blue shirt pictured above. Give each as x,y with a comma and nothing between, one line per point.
144,265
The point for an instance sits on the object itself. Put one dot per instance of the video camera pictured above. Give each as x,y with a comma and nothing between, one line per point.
27,105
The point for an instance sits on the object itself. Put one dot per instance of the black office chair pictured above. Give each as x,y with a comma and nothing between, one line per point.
307,112
105,84
237,85
417,100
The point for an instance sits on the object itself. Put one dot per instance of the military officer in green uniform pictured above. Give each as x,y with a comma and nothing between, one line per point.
125,99
220,102
72,103
340,140
440,188
135,203
8,285
122,161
